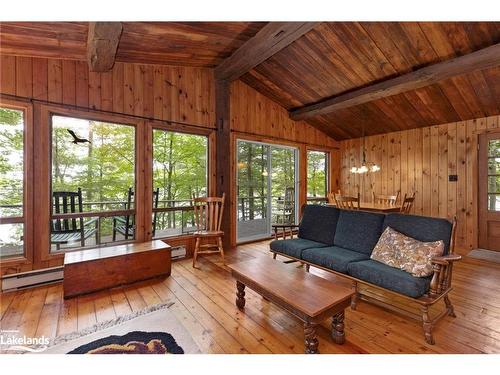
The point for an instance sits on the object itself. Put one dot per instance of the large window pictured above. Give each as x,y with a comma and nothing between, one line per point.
93,174
180,172
317,176
11,182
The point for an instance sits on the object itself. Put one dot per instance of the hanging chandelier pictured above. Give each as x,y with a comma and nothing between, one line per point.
365,166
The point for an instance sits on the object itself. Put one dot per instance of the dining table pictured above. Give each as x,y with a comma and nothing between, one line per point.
376,207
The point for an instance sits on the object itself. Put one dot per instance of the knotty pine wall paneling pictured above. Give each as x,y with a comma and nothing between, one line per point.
421,160
253,113
177,94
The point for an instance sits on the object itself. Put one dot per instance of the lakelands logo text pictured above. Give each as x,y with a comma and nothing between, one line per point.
11,341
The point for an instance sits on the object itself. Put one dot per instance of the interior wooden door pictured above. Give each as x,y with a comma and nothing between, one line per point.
489,191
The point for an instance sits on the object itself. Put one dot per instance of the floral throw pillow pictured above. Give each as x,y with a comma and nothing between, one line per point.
406,253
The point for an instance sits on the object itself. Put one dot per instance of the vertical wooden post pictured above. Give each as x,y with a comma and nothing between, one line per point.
302,196
140,198
223,155
147,180
42,171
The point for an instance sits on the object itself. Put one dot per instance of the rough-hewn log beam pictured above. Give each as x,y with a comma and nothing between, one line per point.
102,43
482,59
271,39
223,155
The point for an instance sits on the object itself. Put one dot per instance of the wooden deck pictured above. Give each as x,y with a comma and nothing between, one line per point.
205,305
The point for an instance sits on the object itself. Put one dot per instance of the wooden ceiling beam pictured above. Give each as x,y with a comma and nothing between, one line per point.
271,39
102,43
482,59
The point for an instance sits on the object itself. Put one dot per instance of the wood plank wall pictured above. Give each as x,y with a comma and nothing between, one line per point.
180,94
254,113
421,160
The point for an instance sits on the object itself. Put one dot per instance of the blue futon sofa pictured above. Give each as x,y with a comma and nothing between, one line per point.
341,241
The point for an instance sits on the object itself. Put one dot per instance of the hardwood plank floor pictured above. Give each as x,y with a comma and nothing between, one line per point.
204,304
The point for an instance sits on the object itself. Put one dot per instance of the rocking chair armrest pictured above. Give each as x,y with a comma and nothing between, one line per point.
446,259
119,219
91,221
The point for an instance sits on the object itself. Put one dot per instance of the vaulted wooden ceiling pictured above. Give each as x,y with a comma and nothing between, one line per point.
332,59
171,43
338,57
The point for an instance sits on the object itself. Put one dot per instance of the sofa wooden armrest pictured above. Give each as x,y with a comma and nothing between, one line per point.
286,229
441,278
446,259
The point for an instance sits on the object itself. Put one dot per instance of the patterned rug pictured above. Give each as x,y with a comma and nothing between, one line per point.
483,254
153,330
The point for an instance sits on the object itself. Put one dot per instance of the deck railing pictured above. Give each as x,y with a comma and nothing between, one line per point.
173,217
252,208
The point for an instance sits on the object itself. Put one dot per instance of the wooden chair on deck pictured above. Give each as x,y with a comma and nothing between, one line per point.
347,202
125,224
385,199
65,231
284,209
407,204
208,217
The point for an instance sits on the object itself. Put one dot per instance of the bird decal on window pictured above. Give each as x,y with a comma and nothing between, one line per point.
76,139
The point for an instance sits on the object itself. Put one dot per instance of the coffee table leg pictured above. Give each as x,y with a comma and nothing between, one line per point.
311,342
338,334
240,295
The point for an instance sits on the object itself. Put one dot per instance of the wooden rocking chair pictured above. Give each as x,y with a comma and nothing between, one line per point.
125,225
208,217
67,231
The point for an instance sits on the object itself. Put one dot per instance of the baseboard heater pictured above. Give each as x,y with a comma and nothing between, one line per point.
178,252
32,278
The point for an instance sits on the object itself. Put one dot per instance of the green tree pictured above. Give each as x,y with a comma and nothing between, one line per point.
179,171
11,161
316,174
11,179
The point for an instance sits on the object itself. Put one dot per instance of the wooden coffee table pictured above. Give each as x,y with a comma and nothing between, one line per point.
310,298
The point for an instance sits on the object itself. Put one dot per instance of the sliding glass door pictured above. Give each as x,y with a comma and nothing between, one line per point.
266,188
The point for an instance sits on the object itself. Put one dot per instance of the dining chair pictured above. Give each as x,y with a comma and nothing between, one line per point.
208,218
385,199
407,204
331,196
347,202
